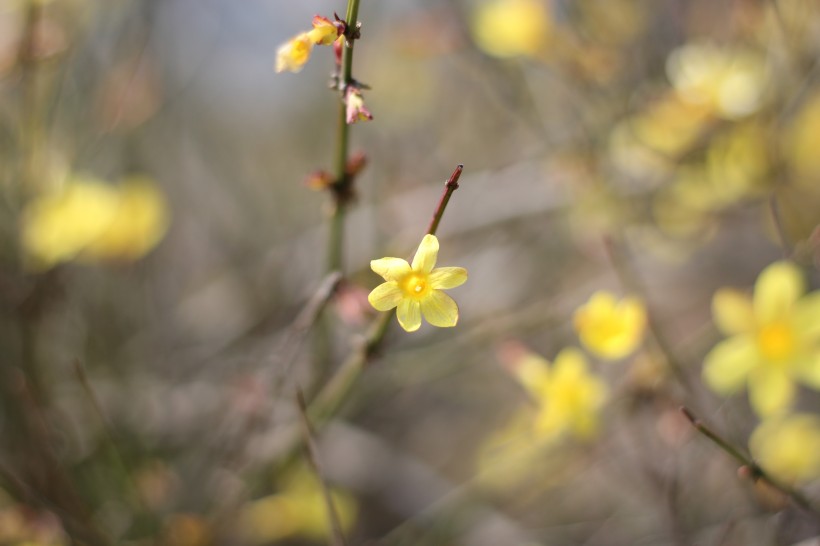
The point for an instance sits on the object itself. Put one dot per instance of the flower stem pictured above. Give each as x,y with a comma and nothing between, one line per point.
335,391
756,472
341,186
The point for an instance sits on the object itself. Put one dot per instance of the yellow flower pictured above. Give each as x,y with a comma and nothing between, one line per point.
509,28
325,31
57,226
93,220
788,447
729,82
568,396
139,224
417,289
293,54
775,340
299,510
608,328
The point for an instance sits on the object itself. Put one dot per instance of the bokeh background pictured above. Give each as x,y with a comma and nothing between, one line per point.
660,149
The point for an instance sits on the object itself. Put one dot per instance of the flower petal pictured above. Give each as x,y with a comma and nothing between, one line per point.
770,390
439,309
385,297
447,277
808,371
391,269
728,364
778,287
409,314
733,312
807,316
425,258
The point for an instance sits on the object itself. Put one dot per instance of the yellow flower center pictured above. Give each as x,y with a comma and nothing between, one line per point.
776,341
415,285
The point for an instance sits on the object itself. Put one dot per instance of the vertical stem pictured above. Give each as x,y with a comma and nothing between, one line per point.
341,185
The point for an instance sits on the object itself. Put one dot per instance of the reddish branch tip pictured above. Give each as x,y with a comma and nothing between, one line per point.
453,180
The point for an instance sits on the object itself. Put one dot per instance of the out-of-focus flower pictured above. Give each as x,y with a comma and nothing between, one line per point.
788,447
299,510
139,224
418,288
95,221
511,28
513,456
609,328
775,340
568,396
293,54
56,227
731,82
800,144
356,110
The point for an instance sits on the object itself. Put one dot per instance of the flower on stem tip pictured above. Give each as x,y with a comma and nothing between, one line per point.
610,329
774,340
416,288
293,54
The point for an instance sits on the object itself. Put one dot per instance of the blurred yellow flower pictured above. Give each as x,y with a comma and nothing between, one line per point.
568,396
509,28
775,339
299,510
731,82
609,328
788,447
417,289
56,227
139,224
800,144
293,54
93,220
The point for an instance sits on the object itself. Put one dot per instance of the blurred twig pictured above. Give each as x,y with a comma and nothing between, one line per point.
630,280
756,472
312,457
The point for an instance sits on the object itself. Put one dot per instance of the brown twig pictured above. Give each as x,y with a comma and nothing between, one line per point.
755,471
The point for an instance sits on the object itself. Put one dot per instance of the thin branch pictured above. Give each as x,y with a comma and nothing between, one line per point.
450,186
756,472
312,457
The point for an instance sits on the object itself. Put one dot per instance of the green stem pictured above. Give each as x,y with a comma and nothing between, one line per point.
341,186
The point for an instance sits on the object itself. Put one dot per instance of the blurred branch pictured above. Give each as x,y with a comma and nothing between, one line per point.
312,457
755,471
631,282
